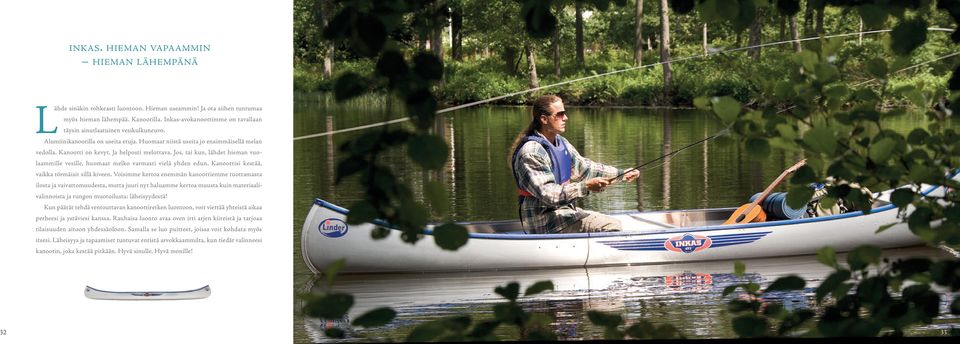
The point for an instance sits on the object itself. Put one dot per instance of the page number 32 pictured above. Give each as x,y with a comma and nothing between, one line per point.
3,332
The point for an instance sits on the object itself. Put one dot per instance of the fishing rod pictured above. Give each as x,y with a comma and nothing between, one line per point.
718,134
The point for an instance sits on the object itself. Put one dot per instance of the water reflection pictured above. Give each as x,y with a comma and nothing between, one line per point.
481,188
688,295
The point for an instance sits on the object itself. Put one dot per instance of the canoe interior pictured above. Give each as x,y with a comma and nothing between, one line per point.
636,221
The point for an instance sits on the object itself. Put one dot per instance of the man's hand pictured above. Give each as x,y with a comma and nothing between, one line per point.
597,184
630,176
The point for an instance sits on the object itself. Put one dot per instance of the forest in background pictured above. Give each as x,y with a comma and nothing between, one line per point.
819,104
485,54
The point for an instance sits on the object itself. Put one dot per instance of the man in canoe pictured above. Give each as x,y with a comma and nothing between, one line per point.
551,175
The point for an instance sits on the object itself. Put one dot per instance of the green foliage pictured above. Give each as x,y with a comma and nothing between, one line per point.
908,35
787,283
798,196
428,151
374,318
332,305
540,22
510,291
538,287
875,296
726,108
757,148
642,329
450,236
332,270
902,197
349,85
808,103
740,13
474,82
827,256
862,256
821,140
756,317
876,305
458,328
436,194
363,28
329,306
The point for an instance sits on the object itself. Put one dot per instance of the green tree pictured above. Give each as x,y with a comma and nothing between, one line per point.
756,35
579,28
531,64
456,31
665,48
638,36
326,9
839,128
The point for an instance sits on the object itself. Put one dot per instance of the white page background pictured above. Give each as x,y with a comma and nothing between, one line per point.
250,63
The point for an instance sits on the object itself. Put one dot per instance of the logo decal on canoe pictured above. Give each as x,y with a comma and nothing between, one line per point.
687,243
147,294
663,244
333,228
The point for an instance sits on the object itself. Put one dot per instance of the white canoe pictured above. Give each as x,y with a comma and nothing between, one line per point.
654,237
97,294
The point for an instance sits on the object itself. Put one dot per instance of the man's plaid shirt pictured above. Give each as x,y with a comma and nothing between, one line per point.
552,208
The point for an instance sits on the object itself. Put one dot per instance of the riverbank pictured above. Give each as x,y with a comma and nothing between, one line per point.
726,74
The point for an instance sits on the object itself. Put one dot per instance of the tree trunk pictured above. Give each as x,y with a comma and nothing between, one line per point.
808,20
649,44
794,33
739,42
783,29
638,39
436,45
579,29
756,31
326,12
820,20
860,39
511,58
456,31
436,42
665,48
705,52
532,65
555,49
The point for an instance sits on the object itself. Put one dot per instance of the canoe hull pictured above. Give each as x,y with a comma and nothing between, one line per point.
326,238
391,254
648,238
769,239
97,294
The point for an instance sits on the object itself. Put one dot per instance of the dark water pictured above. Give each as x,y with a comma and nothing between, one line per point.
480,187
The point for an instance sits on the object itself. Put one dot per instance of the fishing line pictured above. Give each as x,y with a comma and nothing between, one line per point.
710,53
893,72
668,155
911,67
